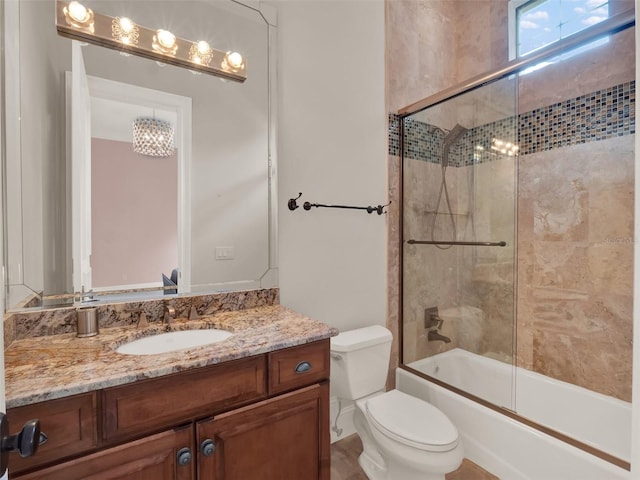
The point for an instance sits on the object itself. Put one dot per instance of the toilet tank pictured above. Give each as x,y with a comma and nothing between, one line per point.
360,361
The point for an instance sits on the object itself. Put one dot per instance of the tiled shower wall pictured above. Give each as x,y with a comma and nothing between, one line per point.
435,44
575,223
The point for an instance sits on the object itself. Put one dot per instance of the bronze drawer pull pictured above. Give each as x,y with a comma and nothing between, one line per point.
303,367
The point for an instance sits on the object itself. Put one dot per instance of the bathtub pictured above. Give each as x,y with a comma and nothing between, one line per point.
511,449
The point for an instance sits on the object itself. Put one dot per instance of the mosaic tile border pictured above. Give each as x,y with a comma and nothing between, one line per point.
595,116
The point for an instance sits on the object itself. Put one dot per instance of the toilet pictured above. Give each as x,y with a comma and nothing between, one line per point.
403,437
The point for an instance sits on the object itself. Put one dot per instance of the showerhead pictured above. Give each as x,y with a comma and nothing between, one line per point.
449,140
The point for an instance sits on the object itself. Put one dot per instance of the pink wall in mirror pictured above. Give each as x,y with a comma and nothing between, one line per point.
134,215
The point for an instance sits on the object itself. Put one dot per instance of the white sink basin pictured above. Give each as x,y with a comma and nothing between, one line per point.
172,341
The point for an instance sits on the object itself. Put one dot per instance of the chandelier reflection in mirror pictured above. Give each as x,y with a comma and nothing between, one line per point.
152,137
78,22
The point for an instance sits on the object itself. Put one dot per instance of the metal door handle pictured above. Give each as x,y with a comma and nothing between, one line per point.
25,442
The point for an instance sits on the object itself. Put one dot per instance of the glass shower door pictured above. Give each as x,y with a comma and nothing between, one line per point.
459,164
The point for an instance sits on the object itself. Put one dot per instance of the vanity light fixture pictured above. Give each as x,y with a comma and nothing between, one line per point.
78,22
124,30
79,16
152,137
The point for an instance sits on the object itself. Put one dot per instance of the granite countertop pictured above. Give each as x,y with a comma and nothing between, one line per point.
44,368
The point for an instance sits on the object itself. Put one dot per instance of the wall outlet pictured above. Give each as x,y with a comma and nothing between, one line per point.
225,253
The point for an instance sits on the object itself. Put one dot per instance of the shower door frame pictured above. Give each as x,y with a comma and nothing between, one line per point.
610,26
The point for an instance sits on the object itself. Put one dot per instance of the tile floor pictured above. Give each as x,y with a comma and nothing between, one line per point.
344,464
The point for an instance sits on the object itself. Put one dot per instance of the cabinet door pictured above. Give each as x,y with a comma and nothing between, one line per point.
150,458
283,438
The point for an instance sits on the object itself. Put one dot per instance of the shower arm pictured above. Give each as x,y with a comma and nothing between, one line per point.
444,242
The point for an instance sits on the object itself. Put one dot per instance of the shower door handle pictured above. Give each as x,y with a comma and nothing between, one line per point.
445,242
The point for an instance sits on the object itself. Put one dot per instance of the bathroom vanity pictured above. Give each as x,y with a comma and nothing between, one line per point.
255,406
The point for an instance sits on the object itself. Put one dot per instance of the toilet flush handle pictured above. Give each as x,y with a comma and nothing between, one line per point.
335,356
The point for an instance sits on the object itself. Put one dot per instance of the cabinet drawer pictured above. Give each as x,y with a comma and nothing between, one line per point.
69,423
298,366
157,403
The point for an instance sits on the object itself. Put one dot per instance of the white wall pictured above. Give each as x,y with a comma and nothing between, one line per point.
332,148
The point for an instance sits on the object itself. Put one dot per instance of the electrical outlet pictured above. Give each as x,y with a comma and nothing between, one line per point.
225,253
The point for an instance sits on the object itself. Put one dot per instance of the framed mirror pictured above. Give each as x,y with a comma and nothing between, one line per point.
127,224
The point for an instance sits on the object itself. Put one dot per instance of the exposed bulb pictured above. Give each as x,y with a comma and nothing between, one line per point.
125,30
234,59
78,16
127,25
203,47
166,39
78,12
200,53
233,62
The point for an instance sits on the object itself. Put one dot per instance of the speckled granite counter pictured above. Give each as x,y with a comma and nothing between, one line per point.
48,367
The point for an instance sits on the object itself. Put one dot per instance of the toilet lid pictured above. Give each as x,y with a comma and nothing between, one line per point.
412,421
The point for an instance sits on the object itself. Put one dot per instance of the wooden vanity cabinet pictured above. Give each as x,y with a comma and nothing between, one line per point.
265,417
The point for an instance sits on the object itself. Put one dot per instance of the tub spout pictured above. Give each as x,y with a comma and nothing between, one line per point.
433,335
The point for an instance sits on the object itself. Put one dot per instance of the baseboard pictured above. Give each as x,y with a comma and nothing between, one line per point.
344,422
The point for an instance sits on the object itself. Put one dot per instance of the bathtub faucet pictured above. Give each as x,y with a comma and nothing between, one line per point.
434,335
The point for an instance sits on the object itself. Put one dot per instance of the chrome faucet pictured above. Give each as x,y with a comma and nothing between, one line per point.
434,335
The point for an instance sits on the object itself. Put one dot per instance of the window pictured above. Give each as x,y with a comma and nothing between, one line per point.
534,24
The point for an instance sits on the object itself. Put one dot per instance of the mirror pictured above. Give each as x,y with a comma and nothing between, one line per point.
214,222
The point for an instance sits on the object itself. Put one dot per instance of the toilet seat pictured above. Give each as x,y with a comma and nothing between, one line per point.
412,422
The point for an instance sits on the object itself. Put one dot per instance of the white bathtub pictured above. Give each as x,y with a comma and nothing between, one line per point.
510,449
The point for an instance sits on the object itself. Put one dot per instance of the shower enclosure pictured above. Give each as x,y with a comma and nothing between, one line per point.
517,237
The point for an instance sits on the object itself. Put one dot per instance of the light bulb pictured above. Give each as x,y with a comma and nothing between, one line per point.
235,59
79,16
125,30
233,62
78,12
165,38
203,47
165,42
126,25
200,53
